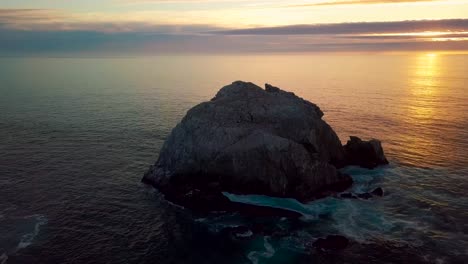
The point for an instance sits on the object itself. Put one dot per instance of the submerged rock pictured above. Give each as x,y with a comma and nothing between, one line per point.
364,196
208,201
367,154
248,140
348,196
378,192
238,232
332,242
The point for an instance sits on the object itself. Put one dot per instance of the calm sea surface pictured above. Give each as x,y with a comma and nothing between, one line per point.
77,134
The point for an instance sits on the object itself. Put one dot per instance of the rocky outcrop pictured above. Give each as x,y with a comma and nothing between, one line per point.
378,192
249,140
367,154
367,195
238,232
332,242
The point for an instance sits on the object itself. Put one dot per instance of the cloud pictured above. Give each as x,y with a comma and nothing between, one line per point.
56,20
359,2
43,31
53,20
21,16
299,3
276,4
70,43
179,1
355,28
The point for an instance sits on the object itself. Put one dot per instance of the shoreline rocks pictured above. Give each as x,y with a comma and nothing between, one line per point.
331,242
366,154
249,140
214,201
378,192
367,195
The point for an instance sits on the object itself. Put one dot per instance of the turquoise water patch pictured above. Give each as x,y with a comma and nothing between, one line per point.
275,202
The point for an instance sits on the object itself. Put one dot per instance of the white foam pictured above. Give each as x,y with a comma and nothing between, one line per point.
201,219
245,234
27,239
254,256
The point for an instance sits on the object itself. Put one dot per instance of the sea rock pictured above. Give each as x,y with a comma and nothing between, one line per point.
367,154
211,200
249,140
364,196
348,196
238,232
332,242
378,192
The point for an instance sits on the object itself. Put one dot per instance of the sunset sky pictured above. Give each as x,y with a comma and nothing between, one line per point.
218,26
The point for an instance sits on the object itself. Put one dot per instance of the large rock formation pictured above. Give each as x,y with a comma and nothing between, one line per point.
248,140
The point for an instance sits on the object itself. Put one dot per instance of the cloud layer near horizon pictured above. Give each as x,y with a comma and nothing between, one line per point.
305,3
356,28
44,31
360,2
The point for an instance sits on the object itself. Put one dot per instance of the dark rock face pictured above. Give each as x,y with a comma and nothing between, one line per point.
332,242
248,140
238,232
364,196
378,192
367,154
348,196
209,200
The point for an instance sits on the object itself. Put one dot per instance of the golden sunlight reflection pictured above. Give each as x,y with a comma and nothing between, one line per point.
424,82
421,105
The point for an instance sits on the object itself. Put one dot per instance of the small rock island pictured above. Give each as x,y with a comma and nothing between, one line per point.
249,140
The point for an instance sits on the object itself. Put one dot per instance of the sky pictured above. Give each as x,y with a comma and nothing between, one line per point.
226,26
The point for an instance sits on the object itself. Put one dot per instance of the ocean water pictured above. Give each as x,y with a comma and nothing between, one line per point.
77,134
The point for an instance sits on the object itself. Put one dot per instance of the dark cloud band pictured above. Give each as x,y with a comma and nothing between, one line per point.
149,38
356,28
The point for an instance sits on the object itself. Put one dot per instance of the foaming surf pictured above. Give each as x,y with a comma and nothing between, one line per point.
364,221
28,238
268,252
23,234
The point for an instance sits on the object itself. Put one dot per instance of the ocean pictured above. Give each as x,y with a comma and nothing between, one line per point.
77,134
